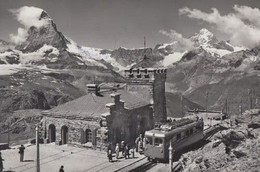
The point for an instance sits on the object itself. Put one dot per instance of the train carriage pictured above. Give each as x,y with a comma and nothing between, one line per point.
182,134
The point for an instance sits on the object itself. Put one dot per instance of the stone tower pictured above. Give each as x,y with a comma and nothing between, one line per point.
149,83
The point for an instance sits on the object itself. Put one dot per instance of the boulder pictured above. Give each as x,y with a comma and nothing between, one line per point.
199,160
239,153
233,136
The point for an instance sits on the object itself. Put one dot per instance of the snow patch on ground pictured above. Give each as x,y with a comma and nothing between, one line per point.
172,58
165,45
38,55
220,52
4,54
7,69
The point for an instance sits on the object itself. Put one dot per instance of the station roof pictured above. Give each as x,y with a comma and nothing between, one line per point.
92,105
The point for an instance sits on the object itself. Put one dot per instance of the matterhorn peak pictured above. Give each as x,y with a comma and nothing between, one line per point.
40,30
44,15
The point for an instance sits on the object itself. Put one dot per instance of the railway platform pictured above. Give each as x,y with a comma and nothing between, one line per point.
73,159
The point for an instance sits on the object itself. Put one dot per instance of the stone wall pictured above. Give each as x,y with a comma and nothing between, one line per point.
126,124
76,129
159,99
118,124
151,84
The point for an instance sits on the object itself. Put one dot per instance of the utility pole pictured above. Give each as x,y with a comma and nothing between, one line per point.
207,94
241,106
250,99
170,156
8,136
182,105
144,42
38,150
226,107
207,104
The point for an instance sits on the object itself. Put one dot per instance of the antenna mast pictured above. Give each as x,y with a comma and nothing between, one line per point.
144,42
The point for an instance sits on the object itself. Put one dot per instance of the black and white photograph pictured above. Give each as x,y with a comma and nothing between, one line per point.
129,86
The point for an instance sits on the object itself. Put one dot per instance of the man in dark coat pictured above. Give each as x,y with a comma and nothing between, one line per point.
61,169
126,151
109,155
1,163
21,152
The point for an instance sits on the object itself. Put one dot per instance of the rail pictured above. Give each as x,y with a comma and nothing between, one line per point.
211,130
141,165
178,167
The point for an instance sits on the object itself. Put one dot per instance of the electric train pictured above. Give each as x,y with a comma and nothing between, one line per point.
182,134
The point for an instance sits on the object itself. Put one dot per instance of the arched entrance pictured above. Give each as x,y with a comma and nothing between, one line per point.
64,134
52,133
88,136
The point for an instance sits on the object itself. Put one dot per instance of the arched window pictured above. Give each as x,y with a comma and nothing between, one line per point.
64,134
52,133
88,135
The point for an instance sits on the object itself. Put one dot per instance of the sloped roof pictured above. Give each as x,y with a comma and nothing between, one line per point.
93,106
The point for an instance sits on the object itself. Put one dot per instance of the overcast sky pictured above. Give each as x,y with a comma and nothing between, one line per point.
114,23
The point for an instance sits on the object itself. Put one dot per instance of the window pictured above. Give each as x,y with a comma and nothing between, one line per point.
187,133
149,140
88,135
131,75
158,142
146,76
179,136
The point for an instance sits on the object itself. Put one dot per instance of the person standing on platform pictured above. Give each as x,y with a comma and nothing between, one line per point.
138,139
123,148
61,169
109,155
21,152
117,151
126,151
133,152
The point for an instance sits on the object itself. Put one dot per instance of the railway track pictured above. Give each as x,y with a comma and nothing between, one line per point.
142,165
211,131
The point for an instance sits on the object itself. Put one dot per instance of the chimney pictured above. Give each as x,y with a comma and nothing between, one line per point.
93,88
116,97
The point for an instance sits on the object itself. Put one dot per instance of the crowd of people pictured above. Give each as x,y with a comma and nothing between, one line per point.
126,150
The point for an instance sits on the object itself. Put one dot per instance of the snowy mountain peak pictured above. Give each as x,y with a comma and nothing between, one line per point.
45,34
44,16
204,38
205,31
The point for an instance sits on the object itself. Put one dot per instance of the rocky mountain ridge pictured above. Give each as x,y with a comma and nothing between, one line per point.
210,65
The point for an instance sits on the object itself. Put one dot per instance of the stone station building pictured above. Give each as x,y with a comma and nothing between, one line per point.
109,115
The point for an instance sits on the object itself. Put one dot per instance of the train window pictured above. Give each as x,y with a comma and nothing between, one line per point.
191,131
187,133
149,140
179,136
158,142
